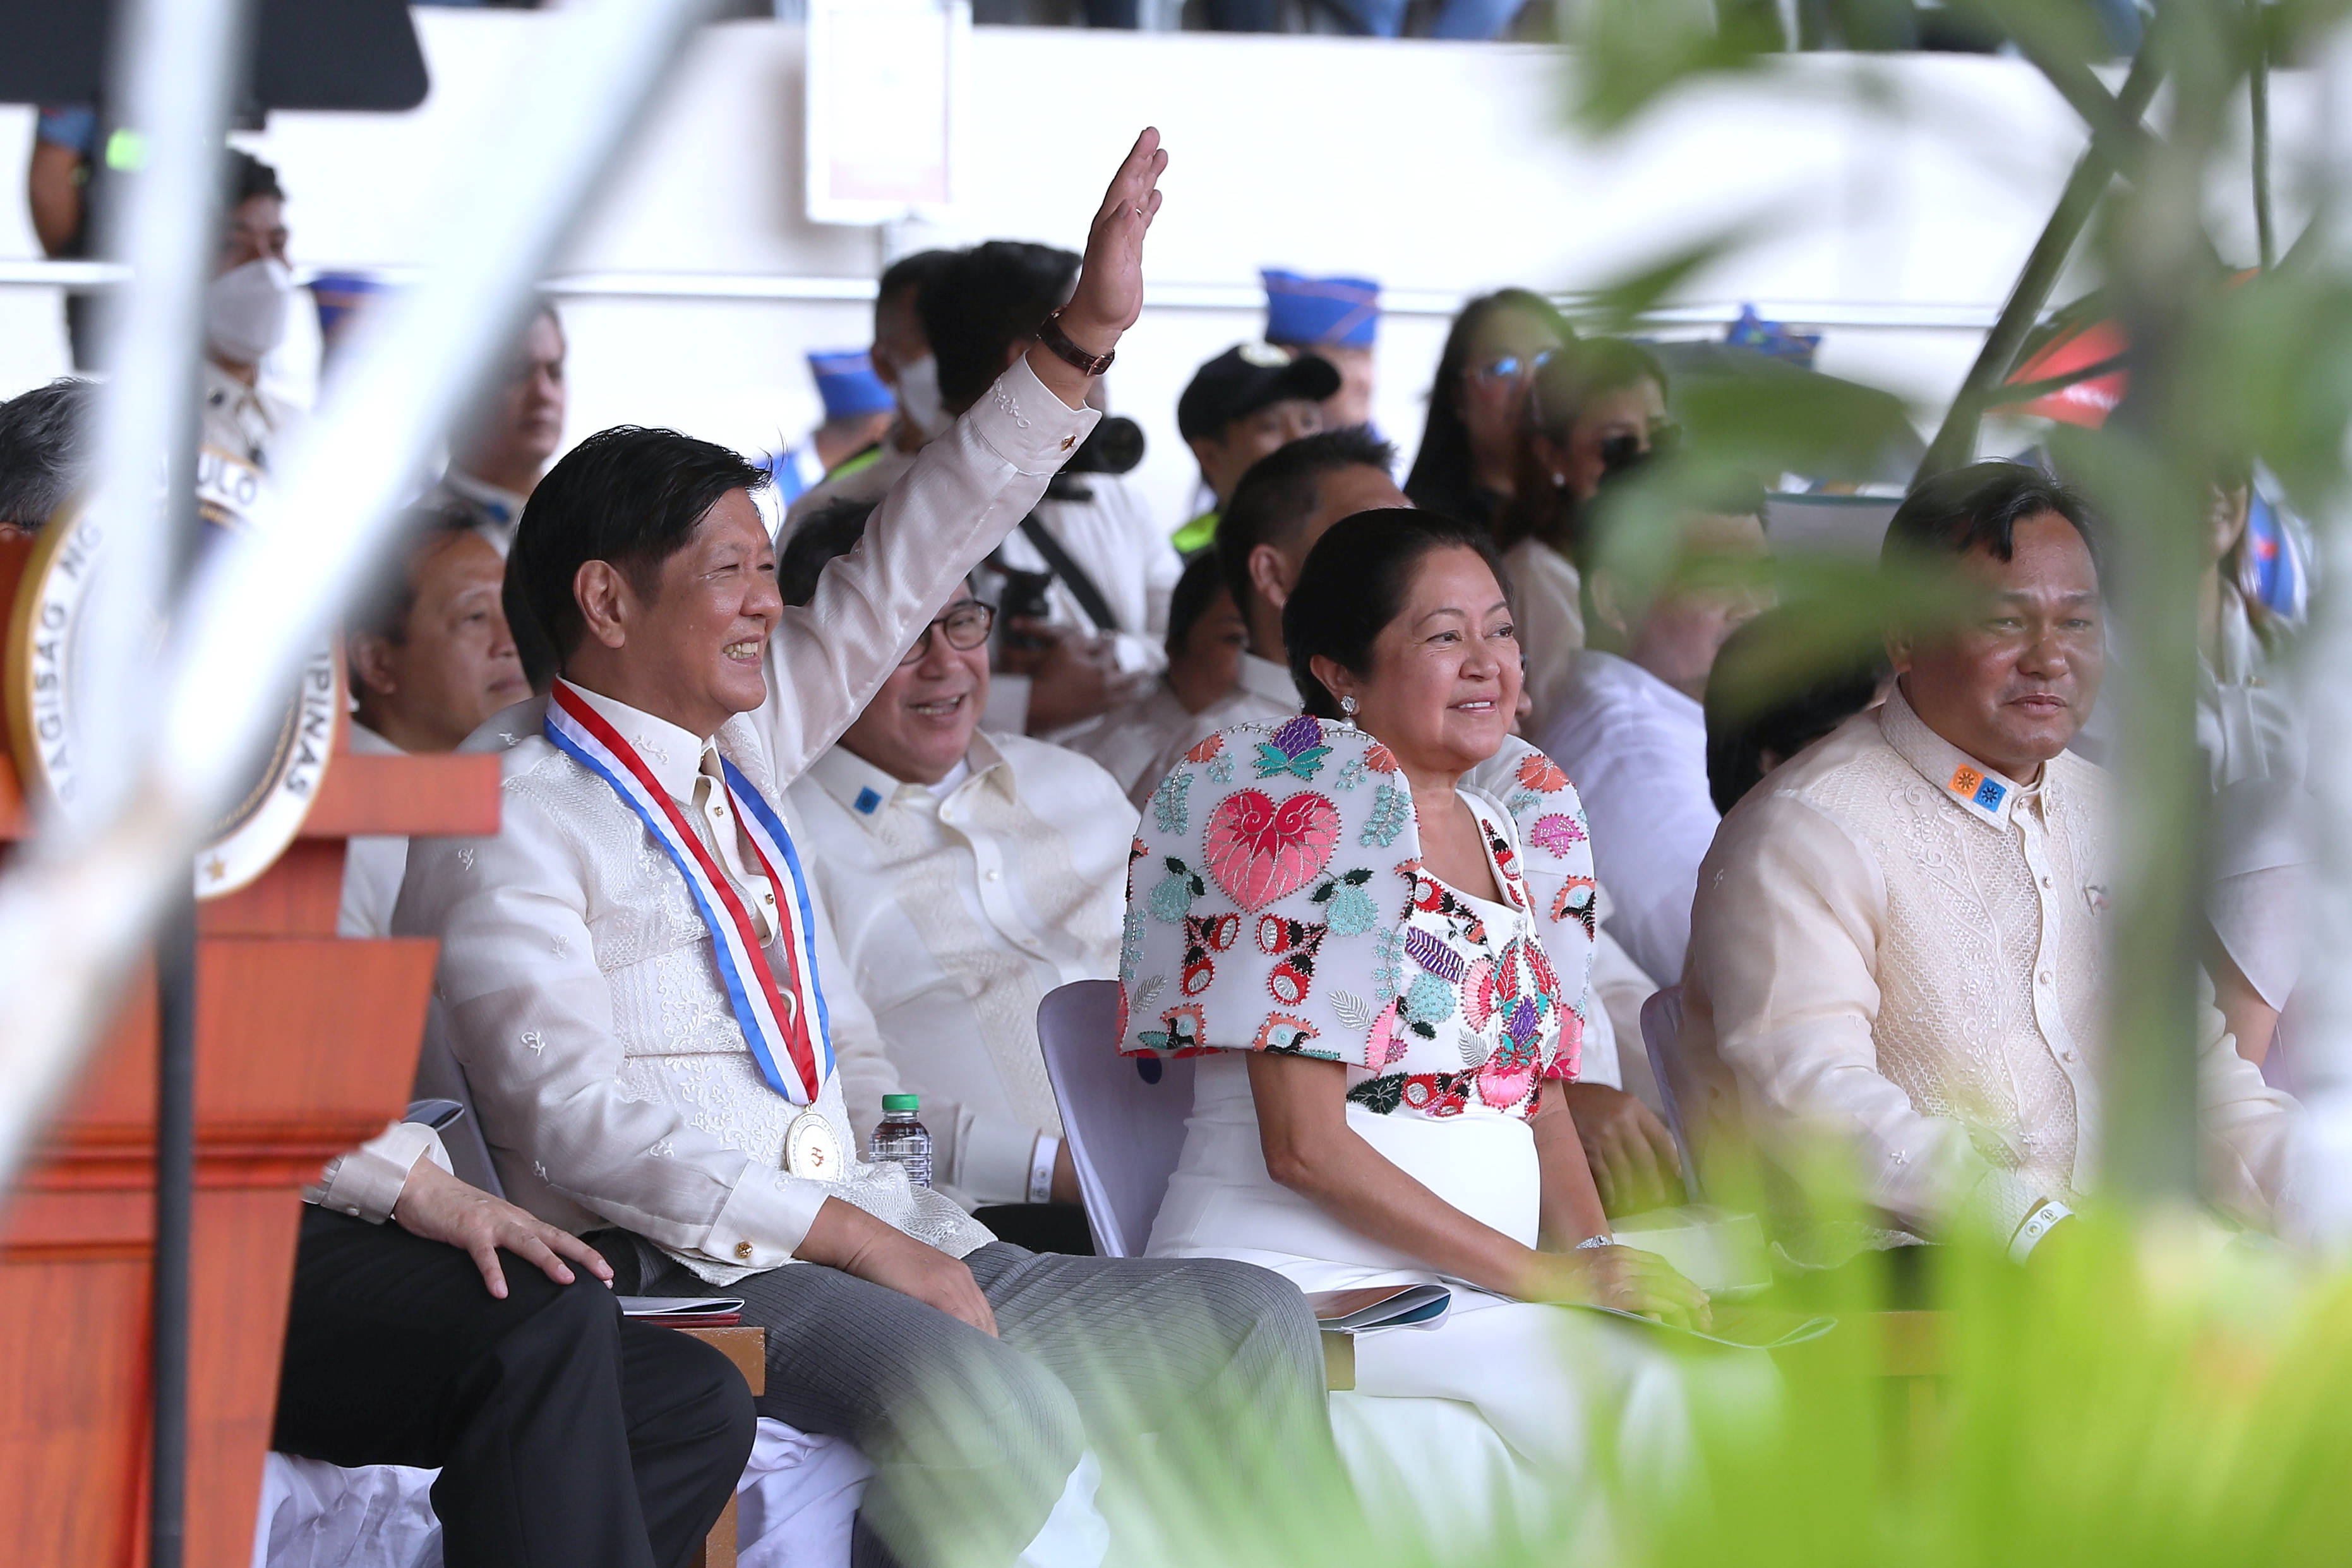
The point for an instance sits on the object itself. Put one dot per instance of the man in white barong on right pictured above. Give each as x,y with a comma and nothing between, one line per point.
1899,941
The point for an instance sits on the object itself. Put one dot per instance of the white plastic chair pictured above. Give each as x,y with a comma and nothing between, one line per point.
1123,1118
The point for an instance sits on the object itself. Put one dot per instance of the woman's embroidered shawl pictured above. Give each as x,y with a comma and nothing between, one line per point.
1277,901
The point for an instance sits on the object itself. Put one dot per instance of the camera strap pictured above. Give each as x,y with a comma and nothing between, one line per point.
1082,587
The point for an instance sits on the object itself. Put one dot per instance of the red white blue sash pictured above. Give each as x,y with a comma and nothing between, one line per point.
786,1027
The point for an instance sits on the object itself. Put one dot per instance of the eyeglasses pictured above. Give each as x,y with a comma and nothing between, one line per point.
966,626
1512,367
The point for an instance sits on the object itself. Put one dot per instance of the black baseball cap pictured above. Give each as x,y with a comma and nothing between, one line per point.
1244,379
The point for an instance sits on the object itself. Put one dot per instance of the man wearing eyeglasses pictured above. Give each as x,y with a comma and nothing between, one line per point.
966,874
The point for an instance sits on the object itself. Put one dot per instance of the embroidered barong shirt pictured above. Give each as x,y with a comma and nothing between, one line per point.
582,995
1900,951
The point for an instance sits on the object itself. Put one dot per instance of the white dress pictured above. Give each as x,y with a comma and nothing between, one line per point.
1461,1020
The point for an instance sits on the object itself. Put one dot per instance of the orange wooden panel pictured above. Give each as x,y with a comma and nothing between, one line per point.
244,1244
300,896
448,796
73,1427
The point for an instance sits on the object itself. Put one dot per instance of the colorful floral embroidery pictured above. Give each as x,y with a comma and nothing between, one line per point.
1170,807
1556,834
1440,1004
1260,853
1392,810
1207,749
1173,896
1297,750
1432,954
1203,936
1576,902
1347,909
1541,774
1294,943
1281,1033
1181,1032
1428,1002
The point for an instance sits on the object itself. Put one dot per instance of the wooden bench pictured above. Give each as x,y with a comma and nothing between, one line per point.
747,1347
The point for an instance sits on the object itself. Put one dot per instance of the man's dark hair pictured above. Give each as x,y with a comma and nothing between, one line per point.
908,272
1786,716
249,177
1355,582
1629,497
1978,507
1275,495
629,496
48,441
1195,591
984,300
824,537
383,606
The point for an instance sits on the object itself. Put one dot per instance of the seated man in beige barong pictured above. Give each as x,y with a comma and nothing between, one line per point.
1899,940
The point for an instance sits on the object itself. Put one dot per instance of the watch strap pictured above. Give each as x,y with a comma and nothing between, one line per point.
1054,338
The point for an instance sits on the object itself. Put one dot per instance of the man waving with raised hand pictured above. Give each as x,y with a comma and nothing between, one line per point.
640,983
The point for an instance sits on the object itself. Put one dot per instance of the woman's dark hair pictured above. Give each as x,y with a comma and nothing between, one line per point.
629,496
981,302
1440,480
1979,507
1587,368
1741,727
1354,583
244,177
1195,591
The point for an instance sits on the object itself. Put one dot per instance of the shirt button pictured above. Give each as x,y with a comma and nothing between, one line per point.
2043,977
2046,882
994,874
2067,1055
743,1250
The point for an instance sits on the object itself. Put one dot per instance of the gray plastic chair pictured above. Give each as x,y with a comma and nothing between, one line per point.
1123,1118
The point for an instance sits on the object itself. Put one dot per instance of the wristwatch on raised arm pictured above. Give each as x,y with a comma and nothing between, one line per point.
1054,338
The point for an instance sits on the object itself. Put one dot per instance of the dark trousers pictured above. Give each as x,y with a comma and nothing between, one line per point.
972,1438
566,1435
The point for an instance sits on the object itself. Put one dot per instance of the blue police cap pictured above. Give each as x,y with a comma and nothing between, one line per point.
847,381
1320,313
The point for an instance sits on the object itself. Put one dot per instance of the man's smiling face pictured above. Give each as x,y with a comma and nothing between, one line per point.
2013,683
920,723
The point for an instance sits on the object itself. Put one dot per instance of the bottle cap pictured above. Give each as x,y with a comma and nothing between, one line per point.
902,1101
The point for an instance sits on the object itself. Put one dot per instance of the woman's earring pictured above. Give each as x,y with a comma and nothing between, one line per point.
1346,713
1560,481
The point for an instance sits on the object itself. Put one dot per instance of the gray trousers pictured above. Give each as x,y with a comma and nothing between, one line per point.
974,1438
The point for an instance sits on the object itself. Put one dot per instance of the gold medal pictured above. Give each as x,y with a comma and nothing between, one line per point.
812,1150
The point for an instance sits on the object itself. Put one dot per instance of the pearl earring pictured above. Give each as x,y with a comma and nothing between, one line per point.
1560,481
1346,713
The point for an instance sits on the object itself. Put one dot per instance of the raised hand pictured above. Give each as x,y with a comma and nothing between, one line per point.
1109,294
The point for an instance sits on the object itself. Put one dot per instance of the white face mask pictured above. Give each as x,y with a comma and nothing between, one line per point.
245,310
919,397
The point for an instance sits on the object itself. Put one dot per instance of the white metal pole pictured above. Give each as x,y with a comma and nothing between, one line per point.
76,905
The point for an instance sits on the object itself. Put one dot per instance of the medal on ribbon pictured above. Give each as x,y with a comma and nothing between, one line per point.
785,1024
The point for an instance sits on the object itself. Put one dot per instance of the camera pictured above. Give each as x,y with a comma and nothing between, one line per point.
1023,597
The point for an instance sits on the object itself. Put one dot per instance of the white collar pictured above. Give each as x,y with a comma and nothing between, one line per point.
362,741
1976,790
864,788
1264,678
673,755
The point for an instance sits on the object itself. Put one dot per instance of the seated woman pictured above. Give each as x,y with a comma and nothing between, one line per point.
1385,973
1594,409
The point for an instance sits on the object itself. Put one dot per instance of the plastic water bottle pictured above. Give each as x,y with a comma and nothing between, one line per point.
902,1138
